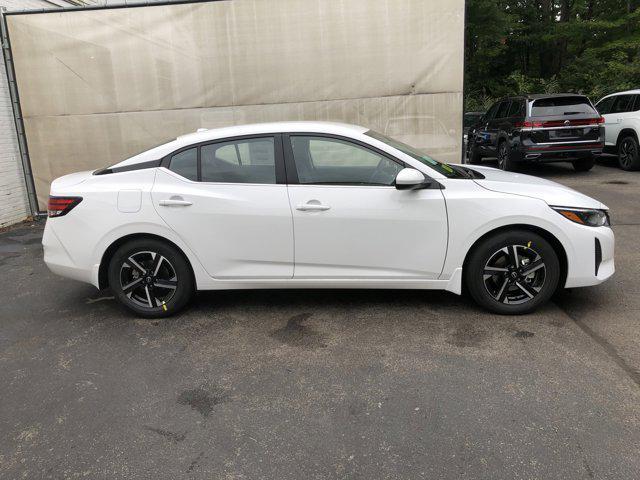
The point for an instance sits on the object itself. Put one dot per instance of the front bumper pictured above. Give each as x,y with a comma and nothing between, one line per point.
592,260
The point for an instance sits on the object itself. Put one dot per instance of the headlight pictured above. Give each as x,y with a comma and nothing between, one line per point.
585,216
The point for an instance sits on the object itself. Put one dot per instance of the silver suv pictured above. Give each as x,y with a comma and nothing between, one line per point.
621,112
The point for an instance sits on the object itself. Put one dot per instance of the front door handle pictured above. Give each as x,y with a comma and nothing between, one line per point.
174,202
312,206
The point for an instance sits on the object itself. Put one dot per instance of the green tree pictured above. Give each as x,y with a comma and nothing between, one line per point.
534,46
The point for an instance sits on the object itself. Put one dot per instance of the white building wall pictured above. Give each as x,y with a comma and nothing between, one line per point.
14,204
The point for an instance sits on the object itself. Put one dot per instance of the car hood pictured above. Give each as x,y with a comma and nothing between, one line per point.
527,185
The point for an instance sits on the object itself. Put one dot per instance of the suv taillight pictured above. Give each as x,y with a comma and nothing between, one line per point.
59,206
528,124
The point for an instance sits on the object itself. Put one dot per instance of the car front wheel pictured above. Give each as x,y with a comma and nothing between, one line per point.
151,278
512,272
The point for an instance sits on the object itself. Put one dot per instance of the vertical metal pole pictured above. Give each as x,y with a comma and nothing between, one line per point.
17,114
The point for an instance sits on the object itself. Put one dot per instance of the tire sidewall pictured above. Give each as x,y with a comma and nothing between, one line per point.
481,254
185,287
635,162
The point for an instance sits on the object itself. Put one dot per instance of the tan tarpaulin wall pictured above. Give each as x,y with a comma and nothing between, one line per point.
97,86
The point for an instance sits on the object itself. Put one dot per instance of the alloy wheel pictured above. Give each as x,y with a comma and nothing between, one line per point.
627,152
503,153
514,274
148,279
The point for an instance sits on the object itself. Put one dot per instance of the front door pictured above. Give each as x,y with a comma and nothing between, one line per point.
350,222
225,201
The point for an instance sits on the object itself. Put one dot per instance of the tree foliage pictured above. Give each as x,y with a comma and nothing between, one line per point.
546,46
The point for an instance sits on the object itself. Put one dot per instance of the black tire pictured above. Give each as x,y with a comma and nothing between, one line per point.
629,153
473,156
503,292
151,278
504,158
584,164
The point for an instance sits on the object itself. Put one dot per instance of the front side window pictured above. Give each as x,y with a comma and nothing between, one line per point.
331,161
446,170
492,112
185,164
241,161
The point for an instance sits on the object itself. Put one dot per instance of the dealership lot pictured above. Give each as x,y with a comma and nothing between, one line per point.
323,384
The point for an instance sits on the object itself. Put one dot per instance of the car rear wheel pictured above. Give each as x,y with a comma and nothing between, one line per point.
504,158
150,278
584,164
512,272
473,156
629,153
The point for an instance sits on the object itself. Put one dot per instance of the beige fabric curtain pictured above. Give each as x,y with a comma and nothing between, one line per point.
97,86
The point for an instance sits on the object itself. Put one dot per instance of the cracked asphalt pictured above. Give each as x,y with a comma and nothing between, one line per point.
323,384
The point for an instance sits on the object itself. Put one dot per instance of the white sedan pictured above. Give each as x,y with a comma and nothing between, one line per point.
319,205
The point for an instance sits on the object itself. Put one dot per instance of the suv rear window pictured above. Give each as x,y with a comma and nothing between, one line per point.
558,106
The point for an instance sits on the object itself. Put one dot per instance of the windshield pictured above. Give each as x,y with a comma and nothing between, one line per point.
446,170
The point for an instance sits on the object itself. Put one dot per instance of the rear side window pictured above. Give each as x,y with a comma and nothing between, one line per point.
242,161
636,104
604,106
492,111
558,106
623,104
516,109
185,164
503,110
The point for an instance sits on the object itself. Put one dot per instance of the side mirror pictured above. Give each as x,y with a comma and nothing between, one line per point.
411,179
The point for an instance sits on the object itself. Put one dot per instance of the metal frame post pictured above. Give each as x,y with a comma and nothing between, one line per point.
17,114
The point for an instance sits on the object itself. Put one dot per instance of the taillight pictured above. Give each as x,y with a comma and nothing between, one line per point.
59,206
560,123
528,124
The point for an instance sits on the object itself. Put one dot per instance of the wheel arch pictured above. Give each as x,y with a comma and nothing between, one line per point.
548,236
103,281
624,133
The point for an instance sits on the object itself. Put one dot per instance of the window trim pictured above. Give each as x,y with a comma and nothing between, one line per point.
279,162
292,172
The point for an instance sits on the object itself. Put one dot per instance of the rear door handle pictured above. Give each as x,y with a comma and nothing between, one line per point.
174,202
312,206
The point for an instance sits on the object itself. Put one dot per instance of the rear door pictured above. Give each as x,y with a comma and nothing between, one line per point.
228,202
604,107
621,111
351,222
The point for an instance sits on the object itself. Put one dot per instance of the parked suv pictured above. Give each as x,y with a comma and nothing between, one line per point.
621,112
538,128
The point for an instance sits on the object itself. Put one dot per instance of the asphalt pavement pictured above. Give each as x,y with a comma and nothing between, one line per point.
312,384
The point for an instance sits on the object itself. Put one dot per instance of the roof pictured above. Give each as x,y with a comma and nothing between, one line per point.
204,135
627,92
537,96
